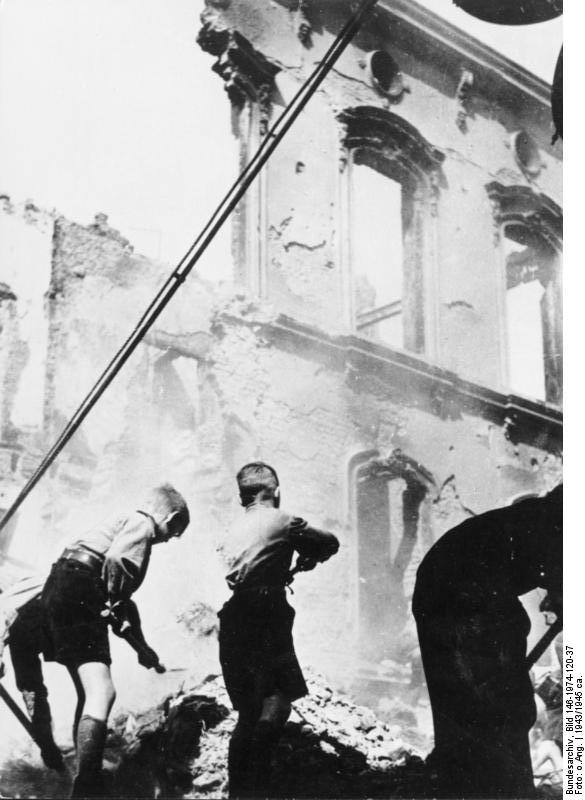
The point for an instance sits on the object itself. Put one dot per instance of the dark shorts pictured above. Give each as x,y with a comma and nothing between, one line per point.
26,642
256,648
73,598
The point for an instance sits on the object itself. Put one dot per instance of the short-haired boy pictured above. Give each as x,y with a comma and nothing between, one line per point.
259,664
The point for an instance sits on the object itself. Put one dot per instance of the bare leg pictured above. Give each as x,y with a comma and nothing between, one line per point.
80,701
99,694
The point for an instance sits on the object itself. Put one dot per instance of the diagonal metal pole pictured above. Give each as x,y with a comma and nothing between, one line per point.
18,713
177,277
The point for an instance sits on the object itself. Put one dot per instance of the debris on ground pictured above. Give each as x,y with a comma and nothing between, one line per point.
331,748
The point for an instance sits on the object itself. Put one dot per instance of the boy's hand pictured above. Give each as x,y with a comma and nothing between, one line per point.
305,564
148,658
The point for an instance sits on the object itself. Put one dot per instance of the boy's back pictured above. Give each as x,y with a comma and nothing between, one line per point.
262,544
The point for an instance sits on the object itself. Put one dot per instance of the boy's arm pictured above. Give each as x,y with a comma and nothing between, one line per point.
311,543
127,558
126,624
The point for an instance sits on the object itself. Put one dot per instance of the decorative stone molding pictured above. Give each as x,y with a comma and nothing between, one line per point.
463,97
399,465
496,217
539,223
397,141
537,423
384,75
526,154
247,74
522,205
305,28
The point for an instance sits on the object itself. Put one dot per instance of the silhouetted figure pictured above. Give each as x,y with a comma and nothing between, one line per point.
472,631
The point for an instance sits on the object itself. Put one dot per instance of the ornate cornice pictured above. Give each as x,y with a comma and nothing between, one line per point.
247,74
491,69
412,380
375,129
521,204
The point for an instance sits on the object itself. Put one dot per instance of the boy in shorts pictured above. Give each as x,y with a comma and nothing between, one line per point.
91,581
21,627
259,664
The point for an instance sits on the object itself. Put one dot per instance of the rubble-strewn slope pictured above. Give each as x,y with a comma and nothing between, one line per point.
331,748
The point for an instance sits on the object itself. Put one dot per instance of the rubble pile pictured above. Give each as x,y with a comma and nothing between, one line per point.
330,748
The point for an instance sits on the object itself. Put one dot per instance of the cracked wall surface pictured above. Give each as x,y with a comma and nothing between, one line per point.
299,209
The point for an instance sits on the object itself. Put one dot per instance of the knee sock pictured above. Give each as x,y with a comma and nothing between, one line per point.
91,740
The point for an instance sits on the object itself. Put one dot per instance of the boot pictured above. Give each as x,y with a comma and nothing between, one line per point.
91,740
37,705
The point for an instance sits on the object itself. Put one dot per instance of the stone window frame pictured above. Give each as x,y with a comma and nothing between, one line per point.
420,490
518,205
391,145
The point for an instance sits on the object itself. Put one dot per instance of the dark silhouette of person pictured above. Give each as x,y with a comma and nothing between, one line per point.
472,631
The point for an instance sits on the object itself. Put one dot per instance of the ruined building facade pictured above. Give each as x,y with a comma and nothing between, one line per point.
390,342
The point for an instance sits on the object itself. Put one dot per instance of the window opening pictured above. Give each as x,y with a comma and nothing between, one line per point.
529,264
377,254
393,535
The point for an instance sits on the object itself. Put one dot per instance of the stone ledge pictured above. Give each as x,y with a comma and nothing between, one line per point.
433,388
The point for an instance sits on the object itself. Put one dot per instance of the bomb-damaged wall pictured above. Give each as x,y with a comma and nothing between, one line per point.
25,268
222,379
463,99
310,407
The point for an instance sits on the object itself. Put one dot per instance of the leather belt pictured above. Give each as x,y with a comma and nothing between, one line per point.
83,556
263,589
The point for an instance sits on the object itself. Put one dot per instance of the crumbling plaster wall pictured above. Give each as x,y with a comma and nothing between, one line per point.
306,263
309,417
25,268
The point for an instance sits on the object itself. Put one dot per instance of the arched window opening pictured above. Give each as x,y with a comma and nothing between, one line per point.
377,252
394,532
529,263
530,227
393,179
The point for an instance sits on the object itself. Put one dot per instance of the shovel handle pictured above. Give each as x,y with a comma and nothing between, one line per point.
18,713
540,647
